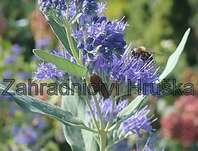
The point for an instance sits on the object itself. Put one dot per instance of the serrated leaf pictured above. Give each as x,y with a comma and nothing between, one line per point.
173,59
61,63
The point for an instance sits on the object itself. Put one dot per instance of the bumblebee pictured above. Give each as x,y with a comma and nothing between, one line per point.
143,53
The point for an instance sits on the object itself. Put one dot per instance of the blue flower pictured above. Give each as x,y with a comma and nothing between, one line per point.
106,108
7,74
89,7
47,71
23,75
10,59
24,135
134,124
40,43
16,48
100,41
134,68
59,6
138,122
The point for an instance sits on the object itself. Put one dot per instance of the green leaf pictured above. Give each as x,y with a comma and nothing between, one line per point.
59,32
62,63
173,59
132,106
38,106
79,140
73,136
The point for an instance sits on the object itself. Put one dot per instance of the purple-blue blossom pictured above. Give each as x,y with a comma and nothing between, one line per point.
138,122
23,75
58,6
47,71
40,43
123,145
134,124
24,135
134,68
100,41
89,7
106,108
16,48
150,145
70,9
10,59
7,74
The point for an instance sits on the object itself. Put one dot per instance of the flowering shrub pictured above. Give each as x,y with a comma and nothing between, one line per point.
95,52
182,124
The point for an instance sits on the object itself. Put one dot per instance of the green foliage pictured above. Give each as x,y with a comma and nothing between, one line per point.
59,32
37,106
79,140
62,63
173,59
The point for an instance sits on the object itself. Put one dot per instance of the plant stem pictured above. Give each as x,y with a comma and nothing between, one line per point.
70,41
103,140
102,124
92,113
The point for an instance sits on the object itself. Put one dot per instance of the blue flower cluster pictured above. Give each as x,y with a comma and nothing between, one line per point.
98,38
102,43
29,134
103,40
59,6
15,50
48,70
135,124
25,135
134,68
11,60
106,108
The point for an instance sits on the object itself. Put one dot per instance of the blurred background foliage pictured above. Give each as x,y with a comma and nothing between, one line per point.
156,24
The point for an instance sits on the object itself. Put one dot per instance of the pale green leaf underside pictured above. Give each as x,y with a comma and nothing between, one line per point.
38,106
79,140
132,106
173,59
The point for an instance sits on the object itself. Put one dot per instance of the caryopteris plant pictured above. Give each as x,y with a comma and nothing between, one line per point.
96,53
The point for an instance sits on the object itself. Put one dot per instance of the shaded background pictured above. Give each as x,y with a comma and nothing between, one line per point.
156,24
